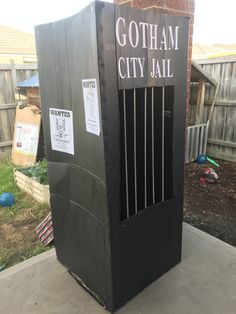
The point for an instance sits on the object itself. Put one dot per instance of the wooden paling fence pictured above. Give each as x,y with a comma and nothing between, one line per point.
221,131
10,76
222,127
197,135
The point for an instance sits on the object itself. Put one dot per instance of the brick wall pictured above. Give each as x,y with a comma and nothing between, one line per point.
176,7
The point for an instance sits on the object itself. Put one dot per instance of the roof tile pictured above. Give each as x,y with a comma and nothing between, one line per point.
16,41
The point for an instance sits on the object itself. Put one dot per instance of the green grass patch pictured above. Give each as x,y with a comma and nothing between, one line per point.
7,182
18,222
22,200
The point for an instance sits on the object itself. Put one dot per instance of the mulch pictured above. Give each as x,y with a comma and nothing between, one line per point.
211,207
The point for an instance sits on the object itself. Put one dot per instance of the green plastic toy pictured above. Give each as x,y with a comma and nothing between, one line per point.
213,162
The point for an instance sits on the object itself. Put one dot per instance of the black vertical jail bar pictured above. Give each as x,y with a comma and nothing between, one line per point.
127,126
124,195
163,146
153,148
135,154
149,148
126,162
158,143
146,135
140,109
145,148
168,141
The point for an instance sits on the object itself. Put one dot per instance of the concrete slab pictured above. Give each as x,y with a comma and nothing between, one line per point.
204,282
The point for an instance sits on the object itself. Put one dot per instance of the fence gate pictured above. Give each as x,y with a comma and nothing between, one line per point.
196,141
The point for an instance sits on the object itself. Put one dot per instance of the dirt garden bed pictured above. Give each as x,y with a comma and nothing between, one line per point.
17,223
209,207
212,207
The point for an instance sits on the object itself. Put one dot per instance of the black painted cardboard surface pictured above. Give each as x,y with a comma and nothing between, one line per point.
115,258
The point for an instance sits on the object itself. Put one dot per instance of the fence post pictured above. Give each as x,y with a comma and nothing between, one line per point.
13,76
200,102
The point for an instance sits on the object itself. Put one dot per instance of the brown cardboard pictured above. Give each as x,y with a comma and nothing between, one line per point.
28,120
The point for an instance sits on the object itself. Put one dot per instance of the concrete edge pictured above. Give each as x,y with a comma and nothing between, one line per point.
206,236
27,263
38,258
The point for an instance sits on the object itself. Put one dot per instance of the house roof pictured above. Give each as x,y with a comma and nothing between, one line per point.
32,81
204,51
198,73
15,41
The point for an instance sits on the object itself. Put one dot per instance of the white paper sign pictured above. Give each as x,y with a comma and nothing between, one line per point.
27,137
91,106
61,130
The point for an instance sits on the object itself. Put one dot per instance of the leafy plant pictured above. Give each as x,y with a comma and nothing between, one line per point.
39,171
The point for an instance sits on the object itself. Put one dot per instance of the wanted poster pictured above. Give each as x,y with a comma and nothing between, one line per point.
61,130
90,94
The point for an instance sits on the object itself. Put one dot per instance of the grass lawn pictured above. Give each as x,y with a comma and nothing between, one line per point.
17,223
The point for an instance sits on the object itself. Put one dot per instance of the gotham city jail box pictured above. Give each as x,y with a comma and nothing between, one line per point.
113,88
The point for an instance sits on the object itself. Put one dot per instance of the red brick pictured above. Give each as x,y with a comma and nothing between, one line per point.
160,10
128,3
148,3
191,6
190,29
176,4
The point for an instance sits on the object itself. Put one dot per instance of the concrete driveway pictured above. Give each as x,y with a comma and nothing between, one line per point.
204,283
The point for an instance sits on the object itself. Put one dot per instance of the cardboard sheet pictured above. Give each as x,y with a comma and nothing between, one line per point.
26,136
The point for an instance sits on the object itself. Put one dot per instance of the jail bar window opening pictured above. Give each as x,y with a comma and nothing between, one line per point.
146,124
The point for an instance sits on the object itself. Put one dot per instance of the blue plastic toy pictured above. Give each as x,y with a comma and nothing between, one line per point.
201,159
7,199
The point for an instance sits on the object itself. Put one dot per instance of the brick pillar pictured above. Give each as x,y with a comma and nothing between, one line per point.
175,7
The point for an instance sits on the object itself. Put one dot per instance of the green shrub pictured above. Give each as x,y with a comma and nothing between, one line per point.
39,171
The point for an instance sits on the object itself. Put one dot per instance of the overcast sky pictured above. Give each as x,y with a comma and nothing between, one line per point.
213,22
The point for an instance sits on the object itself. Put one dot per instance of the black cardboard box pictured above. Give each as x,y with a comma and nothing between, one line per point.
113,94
